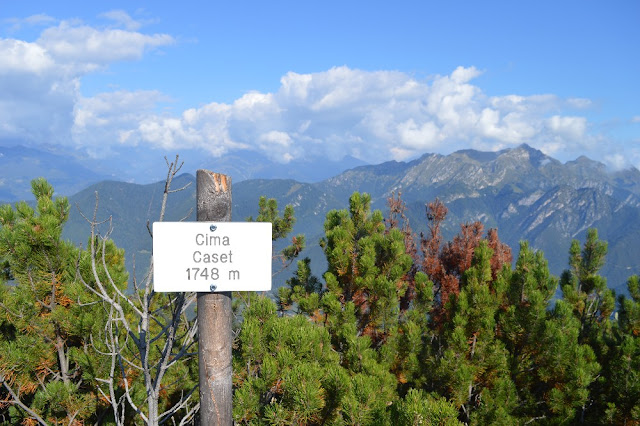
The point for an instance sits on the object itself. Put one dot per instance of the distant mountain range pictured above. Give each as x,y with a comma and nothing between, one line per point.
20,165
72,172
524,193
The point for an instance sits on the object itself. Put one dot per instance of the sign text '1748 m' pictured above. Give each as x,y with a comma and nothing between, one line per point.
210,274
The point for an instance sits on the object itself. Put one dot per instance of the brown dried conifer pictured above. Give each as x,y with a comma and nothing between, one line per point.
446,263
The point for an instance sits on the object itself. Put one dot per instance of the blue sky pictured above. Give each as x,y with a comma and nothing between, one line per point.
308,79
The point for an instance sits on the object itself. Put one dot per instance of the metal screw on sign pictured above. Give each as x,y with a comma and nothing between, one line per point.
213,228
213,287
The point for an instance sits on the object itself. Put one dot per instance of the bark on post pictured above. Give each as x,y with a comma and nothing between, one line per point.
213,198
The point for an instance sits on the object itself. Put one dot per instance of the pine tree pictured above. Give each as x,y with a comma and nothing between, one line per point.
446,263
585,289
367,267
75,346
473,369
592,303
47,365
551,369
621,389
280,369
282,225
350,347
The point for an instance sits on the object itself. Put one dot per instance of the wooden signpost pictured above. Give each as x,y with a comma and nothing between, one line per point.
213,257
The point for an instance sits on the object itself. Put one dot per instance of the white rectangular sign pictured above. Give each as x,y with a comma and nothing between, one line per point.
211,256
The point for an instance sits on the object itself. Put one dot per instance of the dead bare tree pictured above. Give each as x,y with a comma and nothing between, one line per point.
147,336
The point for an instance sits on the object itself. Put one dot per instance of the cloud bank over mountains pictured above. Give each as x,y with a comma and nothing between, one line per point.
40,81
371,115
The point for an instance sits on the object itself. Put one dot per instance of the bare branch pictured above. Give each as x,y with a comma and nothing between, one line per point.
184,400
16,401
73,417
182,188
127,391
535,419
189,415
187,215
173,338
15,314
95,212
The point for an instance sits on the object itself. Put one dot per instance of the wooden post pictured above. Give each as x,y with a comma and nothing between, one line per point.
213,198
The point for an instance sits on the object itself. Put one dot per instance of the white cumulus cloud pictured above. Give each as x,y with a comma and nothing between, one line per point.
40,81
84,48
22,57
373,115
569,127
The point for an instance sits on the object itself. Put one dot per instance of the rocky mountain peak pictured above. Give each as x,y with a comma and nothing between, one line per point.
584,162
526,156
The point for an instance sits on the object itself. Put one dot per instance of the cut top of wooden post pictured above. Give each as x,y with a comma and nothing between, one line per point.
213,196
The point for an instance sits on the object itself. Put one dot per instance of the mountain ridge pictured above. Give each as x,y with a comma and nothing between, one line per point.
526,194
